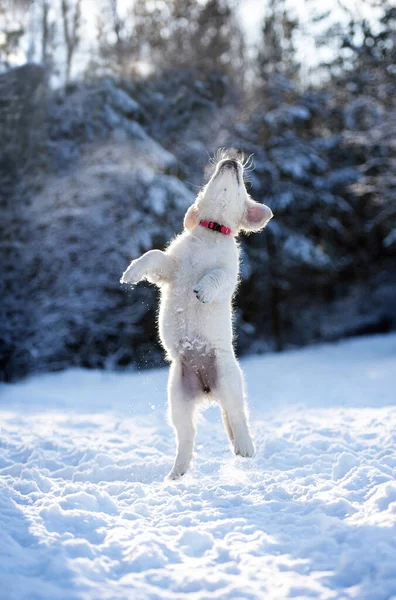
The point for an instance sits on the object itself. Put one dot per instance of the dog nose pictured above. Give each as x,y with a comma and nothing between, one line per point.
230,162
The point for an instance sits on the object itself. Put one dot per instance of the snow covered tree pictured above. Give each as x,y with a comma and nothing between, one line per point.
367,93
103,170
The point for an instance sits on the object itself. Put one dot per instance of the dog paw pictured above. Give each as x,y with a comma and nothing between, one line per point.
244,448
204,293
175,474
133,274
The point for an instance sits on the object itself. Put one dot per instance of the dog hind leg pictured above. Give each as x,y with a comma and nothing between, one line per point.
227,425
183,388
231,396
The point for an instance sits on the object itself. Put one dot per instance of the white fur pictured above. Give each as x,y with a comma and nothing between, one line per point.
198,274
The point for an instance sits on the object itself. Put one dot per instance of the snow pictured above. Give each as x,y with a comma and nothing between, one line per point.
390,239
287,115
86,513
298,249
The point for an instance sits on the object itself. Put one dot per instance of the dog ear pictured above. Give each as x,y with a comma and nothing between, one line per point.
256,216
191,217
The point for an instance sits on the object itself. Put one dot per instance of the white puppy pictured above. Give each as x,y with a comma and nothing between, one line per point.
198,274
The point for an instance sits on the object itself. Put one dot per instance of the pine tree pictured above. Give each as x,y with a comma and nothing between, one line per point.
301,172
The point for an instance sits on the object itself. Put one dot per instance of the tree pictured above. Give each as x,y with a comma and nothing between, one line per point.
119,48
172,34
363,80
48,31
11,33
276,52
71,21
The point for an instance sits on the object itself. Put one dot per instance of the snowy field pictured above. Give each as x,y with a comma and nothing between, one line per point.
85,512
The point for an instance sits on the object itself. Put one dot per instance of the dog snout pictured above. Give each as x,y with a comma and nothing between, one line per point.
230,163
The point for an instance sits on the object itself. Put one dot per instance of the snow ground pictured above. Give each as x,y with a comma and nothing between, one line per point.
86,514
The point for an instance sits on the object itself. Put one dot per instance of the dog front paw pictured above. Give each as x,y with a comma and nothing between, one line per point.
175,474
204,293
244,447
133,274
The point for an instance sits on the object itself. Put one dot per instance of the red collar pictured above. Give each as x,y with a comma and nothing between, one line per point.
216,227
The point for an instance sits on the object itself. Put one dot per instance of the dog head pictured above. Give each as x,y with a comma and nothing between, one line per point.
224,199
